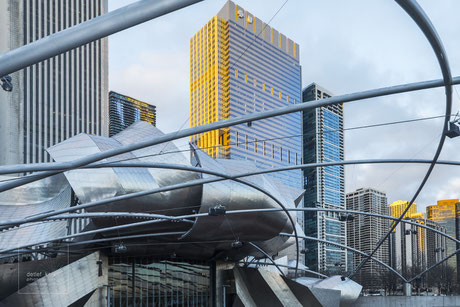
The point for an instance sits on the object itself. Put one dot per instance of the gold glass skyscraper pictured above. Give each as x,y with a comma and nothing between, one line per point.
397,208
240,65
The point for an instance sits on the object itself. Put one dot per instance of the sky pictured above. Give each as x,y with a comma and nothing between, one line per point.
346,47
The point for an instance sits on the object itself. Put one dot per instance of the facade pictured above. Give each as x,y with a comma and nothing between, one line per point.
125,111
57,98
414,249
240,65
447,213
324,186
397,207
364,232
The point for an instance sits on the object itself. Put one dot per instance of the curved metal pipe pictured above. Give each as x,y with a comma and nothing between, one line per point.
284,266
86,32
96,231
350,249
421,19
156,216
148,235
64,166
204,181
236,212
268,256
222,175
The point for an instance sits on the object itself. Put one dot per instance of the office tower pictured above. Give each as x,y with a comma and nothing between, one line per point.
447,213
397,207
240,65
364,232
433,244
57,98
414,249
125,111
324,186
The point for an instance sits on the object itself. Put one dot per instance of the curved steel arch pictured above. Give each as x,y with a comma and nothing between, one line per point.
163,217
204,181
201,170
64,166
159,165
350,249
423,22
37,217
205,214
285,266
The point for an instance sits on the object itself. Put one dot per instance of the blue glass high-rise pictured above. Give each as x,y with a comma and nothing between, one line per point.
324,186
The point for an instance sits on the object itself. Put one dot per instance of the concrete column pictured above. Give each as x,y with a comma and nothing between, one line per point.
407,289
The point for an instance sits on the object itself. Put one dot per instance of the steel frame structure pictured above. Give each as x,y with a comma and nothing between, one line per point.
145,10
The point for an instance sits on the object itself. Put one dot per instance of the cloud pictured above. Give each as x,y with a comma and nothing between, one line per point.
345,46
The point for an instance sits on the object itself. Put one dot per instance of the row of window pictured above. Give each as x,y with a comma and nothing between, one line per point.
267,149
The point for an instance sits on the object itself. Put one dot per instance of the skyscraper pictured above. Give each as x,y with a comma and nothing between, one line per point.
397,207
57,98
125,111
447,213
413,249
324,186
240,65
364,232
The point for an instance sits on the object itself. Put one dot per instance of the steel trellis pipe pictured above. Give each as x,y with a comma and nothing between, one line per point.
284,266
86,32
155,216
180,218
61,167
19,249
423,22
201,170
204,181
350,249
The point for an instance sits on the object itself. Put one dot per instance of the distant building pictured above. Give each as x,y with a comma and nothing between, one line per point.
324,186
414,249
364,232
447,213
397,207
57,98
125,111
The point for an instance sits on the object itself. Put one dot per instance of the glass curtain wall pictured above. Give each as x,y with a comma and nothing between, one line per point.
146,281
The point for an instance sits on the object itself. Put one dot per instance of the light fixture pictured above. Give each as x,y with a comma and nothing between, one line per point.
217,210
7,85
